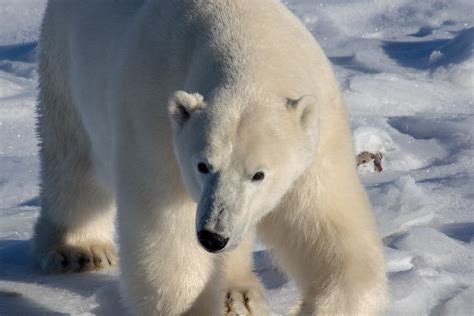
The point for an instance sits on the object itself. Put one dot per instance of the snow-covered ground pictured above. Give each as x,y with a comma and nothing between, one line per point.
407,72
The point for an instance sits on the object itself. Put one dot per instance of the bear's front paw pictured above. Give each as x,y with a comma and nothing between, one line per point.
79,258
244,302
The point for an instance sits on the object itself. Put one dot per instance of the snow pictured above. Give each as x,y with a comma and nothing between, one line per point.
406,69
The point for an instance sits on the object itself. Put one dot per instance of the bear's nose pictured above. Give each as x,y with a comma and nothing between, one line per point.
212,242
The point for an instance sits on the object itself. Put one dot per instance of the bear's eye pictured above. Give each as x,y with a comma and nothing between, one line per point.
202,168
258,176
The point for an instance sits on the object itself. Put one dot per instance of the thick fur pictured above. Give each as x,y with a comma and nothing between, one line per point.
135,94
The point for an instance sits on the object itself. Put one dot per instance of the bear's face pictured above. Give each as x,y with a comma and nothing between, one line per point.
238,164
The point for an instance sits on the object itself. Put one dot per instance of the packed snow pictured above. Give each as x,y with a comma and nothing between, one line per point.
406,69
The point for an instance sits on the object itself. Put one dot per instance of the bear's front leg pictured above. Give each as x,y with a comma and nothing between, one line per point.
75,230
164,271
245,294
337,265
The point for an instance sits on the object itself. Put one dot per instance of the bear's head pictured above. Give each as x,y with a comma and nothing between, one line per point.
238,160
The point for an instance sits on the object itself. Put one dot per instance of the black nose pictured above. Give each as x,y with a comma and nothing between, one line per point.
212,242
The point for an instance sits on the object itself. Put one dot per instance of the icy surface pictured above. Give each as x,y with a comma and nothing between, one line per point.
406,69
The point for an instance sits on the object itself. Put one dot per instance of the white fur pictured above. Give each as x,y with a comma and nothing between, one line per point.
247,90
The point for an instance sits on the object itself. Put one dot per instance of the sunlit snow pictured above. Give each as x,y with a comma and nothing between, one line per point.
406,69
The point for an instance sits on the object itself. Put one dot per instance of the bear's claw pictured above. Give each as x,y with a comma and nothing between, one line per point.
246,302
70,258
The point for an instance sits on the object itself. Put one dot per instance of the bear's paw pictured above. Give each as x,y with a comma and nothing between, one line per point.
79,258
243,302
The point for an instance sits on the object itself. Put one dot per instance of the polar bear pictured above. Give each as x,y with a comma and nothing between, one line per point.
202,122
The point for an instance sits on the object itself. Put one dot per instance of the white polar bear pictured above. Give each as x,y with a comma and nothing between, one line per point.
260,139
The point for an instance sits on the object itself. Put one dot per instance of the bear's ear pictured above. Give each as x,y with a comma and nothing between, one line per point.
182,104
305,109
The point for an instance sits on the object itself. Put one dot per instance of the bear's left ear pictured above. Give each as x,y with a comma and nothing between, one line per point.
305,109
182,104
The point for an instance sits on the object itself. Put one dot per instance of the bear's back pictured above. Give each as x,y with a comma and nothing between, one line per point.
118,61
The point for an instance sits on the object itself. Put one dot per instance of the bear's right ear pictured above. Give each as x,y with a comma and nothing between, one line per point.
182,104
306,109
